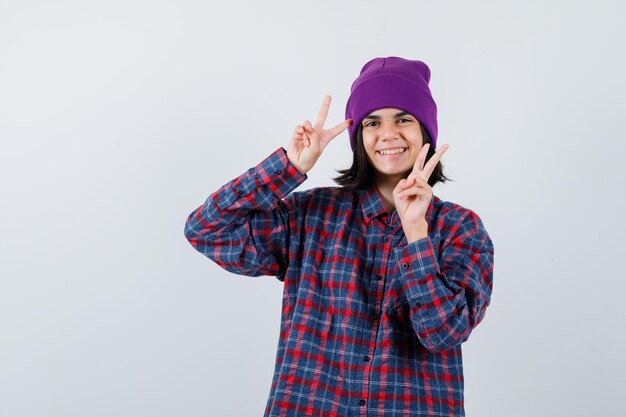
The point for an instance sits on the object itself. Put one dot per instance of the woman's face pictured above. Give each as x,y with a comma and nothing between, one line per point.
394,130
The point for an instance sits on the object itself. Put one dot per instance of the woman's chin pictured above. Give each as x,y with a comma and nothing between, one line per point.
393,171
396,174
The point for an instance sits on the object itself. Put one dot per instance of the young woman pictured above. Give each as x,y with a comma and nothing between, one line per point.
383,280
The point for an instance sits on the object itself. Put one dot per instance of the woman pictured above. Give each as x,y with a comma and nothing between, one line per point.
383,280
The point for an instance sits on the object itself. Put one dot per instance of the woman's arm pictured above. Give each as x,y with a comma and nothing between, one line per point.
448,295
244,226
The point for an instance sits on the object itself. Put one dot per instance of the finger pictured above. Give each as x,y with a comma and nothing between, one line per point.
401,185
339,128
419,190
308,131
420,182
309,128
413,191
432,162
298,134
419,162
415,182
409,182
321,117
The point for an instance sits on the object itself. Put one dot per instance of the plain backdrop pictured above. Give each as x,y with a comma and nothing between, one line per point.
119,118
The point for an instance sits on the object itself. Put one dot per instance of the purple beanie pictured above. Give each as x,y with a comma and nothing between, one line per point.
392,82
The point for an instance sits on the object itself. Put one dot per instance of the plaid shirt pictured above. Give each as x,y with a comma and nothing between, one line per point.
370,325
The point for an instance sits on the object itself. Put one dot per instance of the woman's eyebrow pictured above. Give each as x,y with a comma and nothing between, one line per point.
374,117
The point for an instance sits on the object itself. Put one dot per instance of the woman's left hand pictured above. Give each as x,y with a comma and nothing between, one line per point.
413,194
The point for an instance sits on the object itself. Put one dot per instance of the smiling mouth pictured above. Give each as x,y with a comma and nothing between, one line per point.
392,152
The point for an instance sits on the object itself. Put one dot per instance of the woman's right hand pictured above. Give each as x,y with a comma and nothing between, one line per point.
308,142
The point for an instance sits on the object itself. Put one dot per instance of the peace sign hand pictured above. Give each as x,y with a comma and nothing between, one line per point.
308,142
413,194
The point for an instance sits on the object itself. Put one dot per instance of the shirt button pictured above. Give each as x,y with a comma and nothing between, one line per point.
405,265
366,358
386,239
278,172
379,277
370,214
388,220
374,316
362,402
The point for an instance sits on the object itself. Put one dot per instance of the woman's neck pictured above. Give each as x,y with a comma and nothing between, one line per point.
386,185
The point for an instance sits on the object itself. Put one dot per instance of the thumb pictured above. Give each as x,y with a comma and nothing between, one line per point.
402,185
313,138
406,183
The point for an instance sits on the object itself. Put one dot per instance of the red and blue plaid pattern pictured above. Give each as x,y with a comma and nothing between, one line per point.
370,326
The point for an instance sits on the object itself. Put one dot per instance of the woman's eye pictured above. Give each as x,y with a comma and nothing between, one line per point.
370,123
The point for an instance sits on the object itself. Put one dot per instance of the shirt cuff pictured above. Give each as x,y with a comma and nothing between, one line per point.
279,174
418,268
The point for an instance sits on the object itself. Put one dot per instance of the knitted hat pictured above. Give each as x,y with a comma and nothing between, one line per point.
392,82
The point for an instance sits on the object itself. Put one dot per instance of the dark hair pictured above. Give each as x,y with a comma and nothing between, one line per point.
361,174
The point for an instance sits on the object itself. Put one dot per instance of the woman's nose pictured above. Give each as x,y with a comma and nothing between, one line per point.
388,130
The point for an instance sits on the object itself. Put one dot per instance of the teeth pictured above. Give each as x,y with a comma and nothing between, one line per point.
392,151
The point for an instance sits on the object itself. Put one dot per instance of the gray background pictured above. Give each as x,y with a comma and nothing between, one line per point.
118,118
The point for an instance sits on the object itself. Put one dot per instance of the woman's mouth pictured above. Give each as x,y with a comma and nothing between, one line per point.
395,152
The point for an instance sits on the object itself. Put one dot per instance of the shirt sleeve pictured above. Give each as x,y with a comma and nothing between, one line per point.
448,295
244,226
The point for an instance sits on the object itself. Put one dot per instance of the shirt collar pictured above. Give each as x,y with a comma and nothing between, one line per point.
372,204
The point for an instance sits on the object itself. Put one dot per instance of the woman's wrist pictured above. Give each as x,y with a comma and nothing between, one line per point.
299,168
415,232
